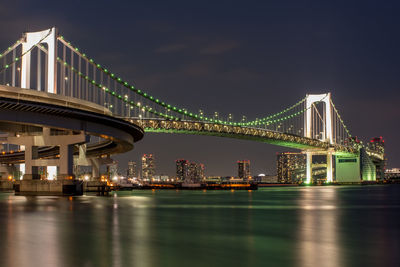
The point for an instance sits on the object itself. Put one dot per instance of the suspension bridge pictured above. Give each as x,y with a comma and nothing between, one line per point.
61,108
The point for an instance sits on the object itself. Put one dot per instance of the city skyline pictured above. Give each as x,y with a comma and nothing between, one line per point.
241,69
204,133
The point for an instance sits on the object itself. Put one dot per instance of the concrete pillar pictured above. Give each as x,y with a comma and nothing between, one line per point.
66,162
308,167
31,172
6,171
329,167
95,169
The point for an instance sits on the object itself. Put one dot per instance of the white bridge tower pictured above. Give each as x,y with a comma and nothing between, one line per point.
326,136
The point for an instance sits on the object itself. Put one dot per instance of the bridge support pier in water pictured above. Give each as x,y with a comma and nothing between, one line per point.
95,184
65,183
341,168
329,165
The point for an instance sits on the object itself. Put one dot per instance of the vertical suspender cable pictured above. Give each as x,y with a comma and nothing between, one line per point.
13,69
71,82
87,81
39,68
80,79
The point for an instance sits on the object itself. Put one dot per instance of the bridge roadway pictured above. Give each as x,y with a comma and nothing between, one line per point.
92,151
27,111
247,133
23,108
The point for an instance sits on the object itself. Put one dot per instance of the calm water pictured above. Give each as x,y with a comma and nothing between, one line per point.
307,226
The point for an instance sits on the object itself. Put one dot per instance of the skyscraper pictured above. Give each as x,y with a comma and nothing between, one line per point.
200,171
195,172
243,169
148,167
181,169
291,167
131,169
377,145
192,171
112,170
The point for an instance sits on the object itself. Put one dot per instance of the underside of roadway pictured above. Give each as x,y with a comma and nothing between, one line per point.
26,112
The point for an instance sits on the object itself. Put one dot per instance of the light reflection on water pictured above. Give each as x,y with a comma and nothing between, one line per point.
304,226
318,238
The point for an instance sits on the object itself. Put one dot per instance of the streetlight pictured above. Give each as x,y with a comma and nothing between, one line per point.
216,115
19,74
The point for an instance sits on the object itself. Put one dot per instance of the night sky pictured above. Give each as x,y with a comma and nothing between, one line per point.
248,58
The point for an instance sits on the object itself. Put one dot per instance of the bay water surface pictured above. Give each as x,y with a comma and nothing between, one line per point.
275,226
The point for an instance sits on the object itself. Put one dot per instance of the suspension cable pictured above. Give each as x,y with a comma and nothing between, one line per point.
26,52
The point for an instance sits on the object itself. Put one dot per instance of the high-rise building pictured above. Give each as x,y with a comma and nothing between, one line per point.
243,169
291,167
112,170
195,172
131,169
377,145
192,171
182,171
148,167
200,172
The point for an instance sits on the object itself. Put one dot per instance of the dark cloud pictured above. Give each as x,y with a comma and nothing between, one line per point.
170,48
219,48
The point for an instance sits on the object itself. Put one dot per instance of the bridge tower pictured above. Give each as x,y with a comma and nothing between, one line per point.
31,39
327,133
65,142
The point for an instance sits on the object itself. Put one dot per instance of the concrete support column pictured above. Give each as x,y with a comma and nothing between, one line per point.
95,169
31,172
7,171
46,131
329,167
66,161
308,167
